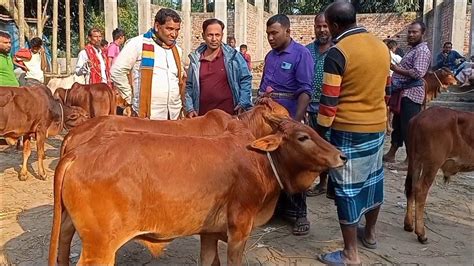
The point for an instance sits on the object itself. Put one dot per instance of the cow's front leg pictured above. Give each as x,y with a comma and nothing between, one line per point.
209,253
40,139
26,154
238,231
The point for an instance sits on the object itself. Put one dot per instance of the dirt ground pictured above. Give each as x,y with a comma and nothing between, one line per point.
26,215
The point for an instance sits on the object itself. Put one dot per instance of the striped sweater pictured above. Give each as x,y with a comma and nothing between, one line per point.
356,73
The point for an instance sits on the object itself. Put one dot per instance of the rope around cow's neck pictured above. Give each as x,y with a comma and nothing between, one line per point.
65,95
440,83
274,170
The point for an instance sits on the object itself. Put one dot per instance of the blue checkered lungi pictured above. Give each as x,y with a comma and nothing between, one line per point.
358,186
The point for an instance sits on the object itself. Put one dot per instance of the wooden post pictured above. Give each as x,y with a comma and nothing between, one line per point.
21,24
68,36
39,22
55,37
81,24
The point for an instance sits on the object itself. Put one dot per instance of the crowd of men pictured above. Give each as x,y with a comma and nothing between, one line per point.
332,84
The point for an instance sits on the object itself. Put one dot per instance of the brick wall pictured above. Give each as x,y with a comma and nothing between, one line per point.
446,10
230,24
467,34
266,46
196,21
252,29
381,25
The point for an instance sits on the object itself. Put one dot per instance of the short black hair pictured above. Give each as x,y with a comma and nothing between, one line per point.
243,46
422,25
5,34
211,21
230,38
341,13
447,43
117,33
279,18
104,42
318,15
392,44
36,42
89,33
166,14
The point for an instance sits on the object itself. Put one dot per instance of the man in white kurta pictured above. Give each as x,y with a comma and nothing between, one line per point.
165,94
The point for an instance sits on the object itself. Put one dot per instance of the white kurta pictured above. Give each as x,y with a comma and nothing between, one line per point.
165,97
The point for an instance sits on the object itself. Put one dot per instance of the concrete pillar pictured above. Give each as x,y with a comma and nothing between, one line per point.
220,12
145,21
436,28
240,22
260,53
427,8
274,7
471,41
111,18
459,24
186,29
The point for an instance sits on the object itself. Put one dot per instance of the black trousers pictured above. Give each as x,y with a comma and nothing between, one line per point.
408,109
293,206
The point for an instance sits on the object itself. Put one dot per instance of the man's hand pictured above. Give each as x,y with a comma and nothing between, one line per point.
191,114
393,67
239,109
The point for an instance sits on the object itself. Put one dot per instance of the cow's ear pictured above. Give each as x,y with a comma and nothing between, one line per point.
268,143
274,120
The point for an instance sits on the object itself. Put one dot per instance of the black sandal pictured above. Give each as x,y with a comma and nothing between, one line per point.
301,223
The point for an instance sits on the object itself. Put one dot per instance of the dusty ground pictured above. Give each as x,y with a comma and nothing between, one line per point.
26,214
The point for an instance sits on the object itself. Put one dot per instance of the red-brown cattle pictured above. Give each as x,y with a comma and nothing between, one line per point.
437,81
168,186
213,123
33,112
438,138
97,99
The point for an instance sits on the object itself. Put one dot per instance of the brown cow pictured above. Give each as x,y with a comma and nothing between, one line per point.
97,99
172,186
437,138
213,123
437,81
33,112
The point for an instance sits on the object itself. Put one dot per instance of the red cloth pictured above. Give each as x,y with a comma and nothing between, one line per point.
214,86
96,74
248,60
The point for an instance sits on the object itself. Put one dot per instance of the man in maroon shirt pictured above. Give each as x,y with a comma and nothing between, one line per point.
218,76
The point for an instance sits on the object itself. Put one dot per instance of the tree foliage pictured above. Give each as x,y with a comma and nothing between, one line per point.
308,7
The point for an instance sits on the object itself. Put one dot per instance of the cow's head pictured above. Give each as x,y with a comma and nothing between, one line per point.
255,117
446,77
298,150
74,116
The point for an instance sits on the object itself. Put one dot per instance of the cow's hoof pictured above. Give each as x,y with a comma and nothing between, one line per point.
408,228
23,177
423,239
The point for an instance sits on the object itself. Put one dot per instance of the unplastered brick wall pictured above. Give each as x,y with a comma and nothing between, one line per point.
230,24
446,9
266,46
252,29
381,25
196,22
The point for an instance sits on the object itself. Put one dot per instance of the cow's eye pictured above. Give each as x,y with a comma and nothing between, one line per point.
303,138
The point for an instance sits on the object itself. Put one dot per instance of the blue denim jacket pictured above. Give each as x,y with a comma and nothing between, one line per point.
238,75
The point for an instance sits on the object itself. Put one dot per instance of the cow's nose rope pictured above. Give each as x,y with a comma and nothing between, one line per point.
440,83
62,116
274,169
65,95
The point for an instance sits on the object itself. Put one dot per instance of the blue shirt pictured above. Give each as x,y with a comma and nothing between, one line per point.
449,60
289,71
317,83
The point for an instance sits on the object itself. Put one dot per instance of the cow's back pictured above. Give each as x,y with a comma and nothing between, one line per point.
212,123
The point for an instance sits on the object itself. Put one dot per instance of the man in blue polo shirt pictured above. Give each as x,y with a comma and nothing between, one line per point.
287,78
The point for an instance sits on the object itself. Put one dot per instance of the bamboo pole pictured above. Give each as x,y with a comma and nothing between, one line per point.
55,37
68,36
39,22
21,24
81,24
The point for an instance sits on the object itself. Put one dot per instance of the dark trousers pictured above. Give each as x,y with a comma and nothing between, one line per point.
408,109
293,206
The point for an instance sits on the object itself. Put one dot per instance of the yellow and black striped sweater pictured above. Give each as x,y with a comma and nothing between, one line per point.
356,72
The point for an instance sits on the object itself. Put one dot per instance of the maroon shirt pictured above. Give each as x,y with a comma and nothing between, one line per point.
214,86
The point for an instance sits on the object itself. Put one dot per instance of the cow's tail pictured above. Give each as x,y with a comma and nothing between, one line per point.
414,162
57,210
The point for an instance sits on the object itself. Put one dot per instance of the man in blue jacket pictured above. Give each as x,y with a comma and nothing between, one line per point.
449,58
218,76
